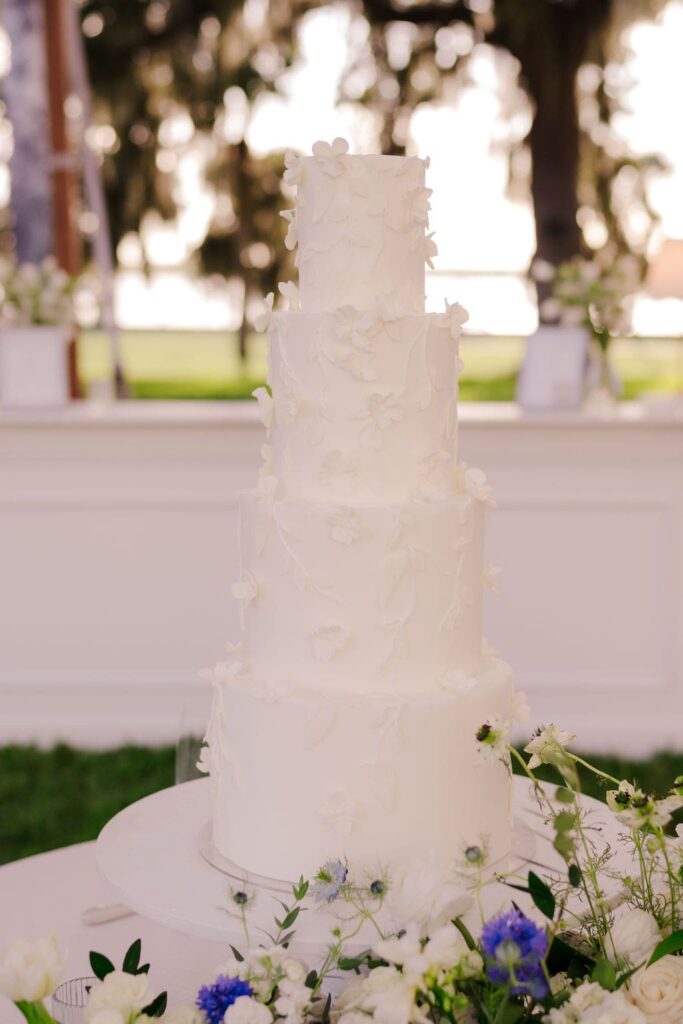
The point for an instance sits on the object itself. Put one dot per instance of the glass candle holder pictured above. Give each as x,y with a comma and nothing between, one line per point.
69,1000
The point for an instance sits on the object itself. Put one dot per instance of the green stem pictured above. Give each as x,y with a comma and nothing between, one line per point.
592,768
35,1013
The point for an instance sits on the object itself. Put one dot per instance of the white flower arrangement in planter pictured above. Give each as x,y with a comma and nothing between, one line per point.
36,323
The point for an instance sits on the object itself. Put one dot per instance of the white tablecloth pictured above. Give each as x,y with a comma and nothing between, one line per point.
49,892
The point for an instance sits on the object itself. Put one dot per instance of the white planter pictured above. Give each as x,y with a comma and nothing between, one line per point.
33,366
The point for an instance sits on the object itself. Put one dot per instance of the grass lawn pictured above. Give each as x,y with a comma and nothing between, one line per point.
61,796
205,364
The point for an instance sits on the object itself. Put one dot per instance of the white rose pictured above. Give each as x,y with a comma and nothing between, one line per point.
658,991
127,993
292,1001
423,893
246,1010
30,971
591,1004
633,936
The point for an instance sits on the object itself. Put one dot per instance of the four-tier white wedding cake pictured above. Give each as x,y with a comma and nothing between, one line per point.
344,722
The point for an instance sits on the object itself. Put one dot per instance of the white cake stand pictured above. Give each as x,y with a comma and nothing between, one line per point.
158,856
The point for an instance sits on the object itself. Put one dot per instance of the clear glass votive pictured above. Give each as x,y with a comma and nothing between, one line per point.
69,1000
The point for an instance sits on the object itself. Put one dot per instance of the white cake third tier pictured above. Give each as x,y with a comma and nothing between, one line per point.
344,721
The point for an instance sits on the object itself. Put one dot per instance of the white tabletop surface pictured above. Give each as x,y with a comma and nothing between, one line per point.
49,892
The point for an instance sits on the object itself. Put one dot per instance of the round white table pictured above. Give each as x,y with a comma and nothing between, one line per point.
49,892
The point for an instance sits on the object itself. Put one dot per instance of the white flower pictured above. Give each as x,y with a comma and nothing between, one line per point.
455,316
340,810
246,1010
292,236
493,737
328,641
266,487
633,937
592,1004
344,526
637,809
389,995
330,156
418,204
30,971
293,1000
262,321
430,250
473,482
290,293
423,893
657,991
246,590
112,1016
436,476
444,948
519,707
266,408
181,1015
127,993
547,745
294,168
491,574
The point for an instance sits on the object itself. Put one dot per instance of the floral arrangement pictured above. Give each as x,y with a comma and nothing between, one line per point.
596,293
595,942
35,294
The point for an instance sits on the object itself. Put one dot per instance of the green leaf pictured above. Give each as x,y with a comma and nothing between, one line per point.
350,963
564,821
157,1007
465,932
575,875
143,970
564,844
290,918
627,975
325,1018
605,974
671,944
561,955
101,965
237,955
563,795
311,979
509,1013
131,960
300,890
541,895
35,1013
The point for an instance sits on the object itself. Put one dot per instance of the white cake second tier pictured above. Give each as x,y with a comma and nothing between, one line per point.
373,779
368,597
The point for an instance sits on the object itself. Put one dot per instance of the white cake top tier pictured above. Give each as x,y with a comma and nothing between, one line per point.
360,223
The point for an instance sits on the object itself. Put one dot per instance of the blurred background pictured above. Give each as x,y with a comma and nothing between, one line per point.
142,149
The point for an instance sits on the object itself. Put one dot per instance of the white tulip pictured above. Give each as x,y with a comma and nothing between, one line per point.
657,991
112,1016
247,1010
30,971
126,993
633,937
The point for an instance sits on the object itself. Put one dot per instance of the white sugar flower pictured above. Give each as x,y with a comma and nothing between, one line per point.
548,746
127,993
292,236
473,481
418,204
493,737
290,293
340,810
30,971
262,321
592,1004
423,893
247,1010
632,938
455,316
267,456
657,991
266,487
328,641
246,590
344,526
519,707
294,168
381,412
266,407
430,249
436,476
330,156
491,574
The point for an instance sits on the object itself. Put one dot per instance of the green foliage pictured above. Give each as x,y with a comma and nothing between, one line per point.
541,895
671,944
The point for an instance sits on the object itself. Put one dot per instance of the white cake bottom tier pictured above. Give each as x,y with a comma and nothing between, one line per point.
362,596
362,404
371,779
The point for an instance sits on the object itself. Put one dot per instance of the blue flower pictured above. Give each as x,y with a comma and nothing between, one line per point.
329,880
515,948
214,1000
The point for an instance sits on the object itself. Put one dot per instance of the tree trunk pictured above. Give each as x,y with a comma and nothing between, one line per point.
25,93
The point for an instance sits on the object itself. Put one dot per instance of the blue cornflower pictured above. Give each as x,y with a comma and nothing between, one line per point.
329,880
515,947
214,1000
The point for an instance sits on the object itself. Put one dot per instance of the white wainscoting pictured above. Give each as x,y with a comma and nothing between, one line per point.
118,549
